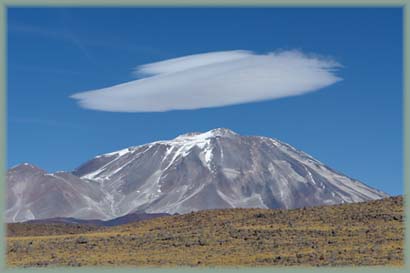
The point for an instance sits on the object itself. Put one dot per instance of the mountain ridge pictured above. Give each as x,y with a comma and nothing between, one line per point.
194,171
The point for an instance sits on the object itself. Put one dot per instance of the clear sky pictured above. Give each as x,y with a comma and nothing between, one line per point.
353,125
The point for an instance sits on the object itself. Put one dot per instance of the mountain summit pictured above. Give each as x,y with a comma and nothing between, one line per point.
212,133
194,171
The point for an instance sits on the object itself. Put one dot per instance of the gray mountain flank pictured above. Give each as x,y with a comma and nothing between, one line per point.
195,171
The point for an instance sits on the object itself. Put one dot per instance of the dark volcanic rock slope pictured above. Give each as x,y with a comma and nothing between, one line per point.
216,169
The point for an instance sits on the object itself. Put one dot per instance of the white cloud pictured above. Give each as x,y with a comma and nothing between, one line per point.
214,79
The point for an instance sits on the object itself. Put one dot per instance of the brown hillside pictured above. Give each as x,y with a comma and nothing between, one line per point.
369,233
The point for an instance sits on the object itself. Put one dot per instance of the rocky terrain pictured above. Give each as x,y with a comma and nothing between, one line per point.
129,218
196,171
366,233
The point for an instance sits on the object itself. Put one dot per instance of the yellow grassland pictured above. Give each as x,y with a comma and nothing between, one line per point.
369,233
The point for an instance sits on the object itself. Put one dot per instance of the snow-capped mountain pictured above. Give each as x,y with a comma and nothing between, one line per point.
195,171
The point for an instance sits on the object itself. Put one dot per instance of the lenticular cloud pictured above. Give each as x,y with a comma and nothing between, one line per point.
212,80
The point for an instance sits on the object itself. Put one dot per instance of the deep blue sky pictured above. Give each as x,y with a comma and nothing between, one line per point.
354,126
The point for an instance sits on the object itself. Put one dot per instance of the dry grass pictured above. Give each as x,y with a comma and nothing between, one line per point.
368,233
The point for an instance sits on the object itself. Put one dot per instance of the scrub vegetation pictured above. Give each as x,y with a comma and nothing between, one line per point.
368,233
